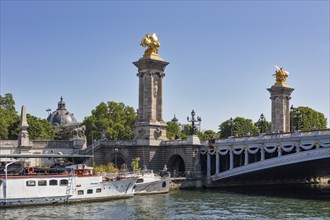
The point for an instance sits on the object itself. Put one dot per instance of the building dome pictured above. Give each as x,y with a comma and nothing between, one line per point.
61,116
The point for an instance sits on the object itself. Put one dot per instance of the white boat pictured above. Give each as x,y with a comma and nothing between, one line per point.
150,183
73,184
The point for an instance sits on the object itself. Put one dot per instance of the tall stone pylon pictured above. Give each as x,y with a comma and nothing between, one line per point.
150,128
280,95
23,136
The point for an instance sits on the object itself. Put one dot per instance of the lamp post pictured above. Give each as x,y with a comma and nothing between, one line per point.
261,123
298,116
231,126
193,120
291,118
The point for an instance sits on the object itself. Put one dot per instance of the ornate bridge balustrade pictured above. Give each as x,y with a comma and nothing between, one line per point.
237,156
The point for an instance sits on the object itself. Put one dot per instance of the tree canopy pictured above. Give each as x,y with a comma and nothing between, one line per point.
39,129
208,135
113,120
237,127
173,130
307,119
9,121
8,117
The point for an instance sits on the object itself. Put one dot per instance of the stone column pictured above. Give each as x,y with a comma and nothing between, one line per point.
262,152
208,165
150,128
231,159
280,96
217,163
246,156
279,151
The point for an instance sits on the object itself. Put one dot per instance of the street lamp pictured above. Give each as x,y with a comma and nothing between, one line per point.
231,126
193,120
261,123
298,116
291,118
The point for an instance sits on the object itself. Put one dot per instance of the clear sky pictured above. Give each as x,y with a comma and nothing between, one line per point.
221,54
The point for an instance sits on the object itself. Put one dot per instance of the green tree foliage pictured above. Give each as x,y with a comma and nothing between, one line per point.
173,130
237,127
308,119
9,121
62,132
113,120
8,117
208,135
109,168
185,131
39,129
135,164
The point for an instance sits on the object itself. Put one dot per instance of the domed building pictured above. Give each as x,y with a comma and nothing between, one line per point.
61,116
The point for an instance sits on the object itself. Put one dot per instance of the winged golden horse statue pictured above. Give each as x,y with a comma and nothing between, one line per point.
152,42
280,75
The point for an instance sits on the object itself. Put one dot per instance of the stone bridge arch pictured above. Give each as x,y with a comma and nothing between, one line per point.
117,155
176,165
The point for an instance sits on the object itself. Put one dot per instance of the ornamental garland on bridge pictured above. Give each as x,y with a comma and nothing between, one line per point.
268,147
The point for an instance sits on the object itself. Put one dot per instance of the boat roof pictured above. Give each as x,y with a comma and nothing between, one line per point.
45,156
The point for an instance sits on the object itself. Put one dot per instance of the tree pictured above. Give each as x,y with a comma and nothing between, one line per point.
173,130
208,135
113,120
8,117
307,119
39,129
237,127
185,132
135,164
9,121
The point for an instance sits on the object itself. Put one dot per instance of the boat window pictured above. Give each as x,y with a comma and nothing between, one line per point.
64,182
30,183
42,183
89,191
80,192
98,190
139,181
53,182
163,184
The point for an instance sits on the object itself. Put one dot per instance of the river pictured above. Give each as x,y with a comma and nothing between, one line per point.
200,204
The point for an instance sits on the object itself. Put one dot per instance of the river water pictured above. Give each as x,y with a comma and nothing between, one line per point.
201,204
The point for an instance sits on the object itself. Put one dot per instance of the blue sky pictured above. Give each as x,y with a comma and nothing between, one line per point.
221,53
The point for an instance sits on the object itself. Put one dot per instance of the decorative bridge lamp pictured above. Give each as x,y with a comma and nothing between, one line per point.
297,115
261,123
193,120
231,126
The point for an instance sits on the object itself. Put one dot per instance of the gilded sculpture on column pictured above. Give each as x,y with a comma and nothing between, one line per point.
280,75
152,42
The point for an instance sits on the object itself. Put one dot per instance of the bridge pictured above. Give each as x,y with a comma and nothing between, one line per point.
299,157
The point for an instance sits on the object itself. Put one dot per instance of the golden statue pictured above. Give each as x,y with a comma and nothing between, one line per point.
280,76
150,41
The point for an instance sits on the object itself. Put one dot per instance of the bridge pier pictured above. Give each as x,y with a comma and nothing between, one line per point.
217,162
208,171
